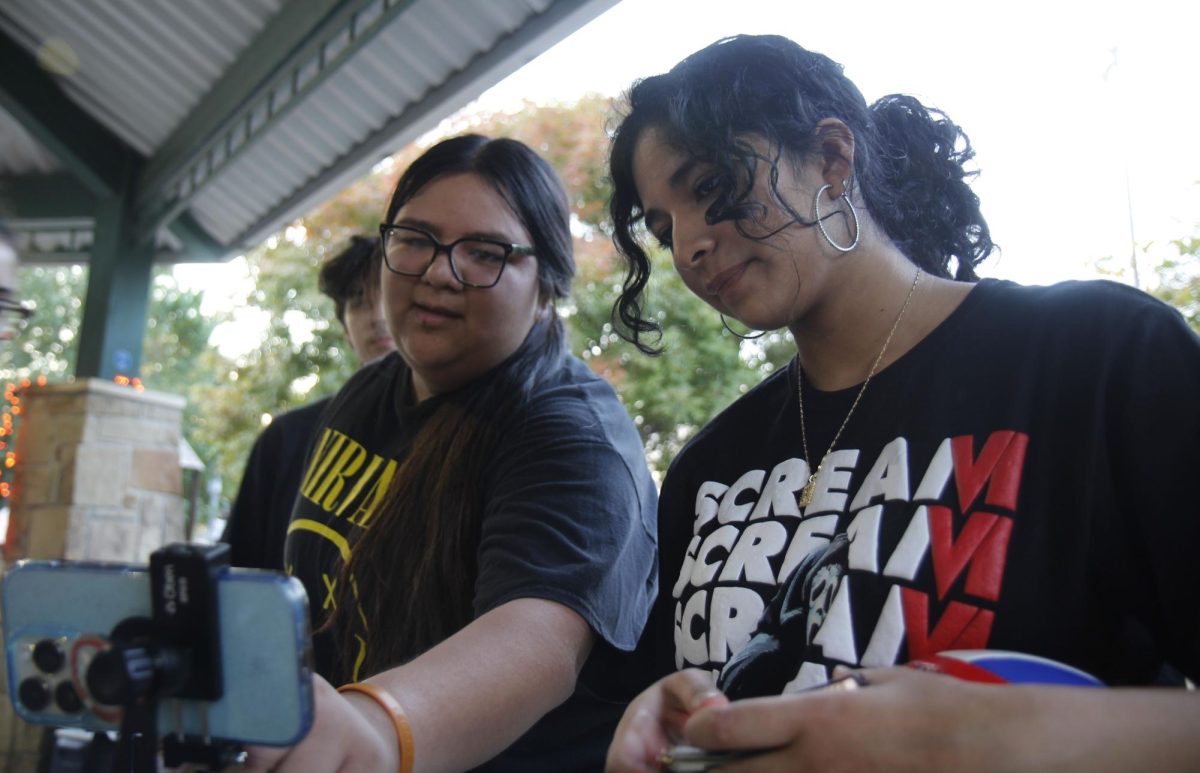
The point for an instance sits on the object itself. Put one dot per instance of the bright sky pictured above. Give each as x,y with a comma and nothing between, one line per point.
1083,114
1026,80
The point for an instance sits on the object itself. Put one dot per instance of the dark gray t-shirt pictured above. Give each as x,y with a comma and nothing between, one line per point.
569,517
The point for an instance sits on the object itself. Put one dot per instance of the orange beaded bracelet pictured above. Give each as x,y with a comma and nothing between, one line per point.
399,721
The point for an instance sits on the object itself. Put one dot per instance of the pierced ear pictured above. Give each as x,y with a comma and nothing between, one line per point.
837,154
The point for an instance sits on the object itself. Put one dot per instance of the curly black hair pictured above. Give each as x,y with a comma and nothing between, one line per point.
909,160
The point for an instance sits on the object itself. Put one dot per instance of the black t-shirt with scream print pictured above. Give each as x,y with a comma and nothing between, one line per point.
1023,479
568,516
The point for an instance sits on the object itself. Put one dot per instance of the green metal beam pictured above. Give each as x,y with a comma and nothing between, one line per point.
197,245
47,197
57,210
54,242
118,295
85,147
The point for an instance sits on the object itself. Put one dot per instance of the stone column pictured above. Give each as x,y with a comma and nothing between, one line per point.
98,477
98,473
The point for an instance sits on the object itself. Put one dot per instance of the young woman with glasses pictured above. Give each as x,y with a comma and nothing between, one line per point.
475,524
946,464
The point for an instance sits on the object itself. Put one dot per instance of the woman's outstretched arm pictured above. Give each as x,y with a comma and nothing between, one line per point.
466,699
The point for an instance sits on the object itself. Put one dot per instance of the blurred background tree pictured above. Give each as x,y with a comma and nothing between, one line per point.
47,344
1179,279
177,330
1176,270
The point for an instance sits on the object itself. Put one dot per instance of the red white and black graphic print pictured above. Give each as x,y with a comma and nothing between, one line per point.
873,572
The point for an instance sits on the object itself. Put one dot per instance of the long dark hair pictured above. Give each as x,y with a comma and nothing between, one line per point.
909,160
412,575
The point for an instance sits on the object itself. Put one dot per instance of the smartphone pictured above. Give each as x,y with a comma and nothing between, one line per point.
692,759
58,616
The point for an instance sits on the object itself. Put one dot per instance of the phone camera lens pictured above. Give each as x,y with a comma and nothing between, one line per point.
106,679
119,675
34,693
67,699
48,656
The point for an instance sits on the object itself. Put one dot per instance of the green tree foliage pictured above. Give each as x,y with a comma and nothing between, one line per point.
176,357
301,355
46,347
175,353
177,330
1176,268
573,137
1179,280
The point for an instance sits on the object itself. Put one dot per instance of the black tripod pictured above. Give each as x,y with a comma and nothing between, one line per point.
173,655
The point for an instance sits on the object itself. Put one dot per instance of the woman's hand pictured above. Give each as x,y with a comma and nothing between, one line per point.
903,720
908,720
466,699
350,733
655,719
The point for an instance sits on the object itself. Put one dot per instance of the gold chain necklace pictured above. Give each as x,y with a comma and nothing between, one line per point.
810,487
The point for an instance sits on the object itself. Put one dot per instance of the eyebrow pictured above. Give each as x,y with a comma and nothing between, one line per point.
677,179
425,225
680,176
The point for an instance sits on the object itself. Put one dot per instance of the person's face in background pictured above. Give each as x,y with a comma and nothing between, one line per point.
366,329
12,313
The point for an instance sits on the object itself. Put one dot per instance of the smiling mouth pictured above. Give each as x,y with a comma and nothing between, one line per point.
726,279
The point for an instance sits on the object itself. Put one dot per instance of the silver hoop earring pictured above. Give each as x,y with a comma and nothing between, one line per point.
736,334
821,222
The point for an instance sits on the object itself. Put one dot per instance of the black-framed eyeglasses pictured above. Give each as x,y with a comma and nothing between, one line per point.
474,262
13,316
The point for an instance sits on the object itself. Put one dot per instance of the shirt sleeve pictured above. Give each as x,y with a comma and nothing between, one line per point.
1154,442
569,518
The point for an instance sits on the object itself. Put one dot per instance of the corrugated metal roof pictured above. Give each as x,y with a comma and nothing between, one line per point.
242,156
138,66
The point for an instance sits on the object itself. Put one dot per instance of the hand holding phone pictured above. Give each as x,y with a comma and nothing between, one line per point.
692,759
